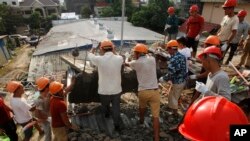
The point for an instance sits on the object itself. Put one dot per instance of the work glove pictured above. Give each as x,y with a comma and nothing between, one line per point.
201,87
167,26
161,80
197,37
224,47
192,77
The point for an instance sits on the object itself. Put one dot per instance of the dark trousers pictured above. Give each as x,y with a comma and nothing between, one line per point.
115,101
233,48
192,43
10,130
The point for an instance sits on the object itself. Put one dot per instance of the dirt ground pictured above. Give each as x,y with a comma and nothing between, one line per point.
17,69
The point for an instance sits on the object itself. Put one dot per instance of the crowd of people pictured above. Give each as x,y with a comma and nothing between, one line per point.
212,89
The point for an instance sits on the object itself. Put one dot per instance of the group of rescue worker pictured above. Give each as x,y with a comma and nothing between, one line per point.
211,97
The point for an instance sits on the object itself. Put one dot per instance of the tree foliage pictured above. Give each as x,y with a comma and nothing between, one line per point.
152,16
35,20
8,20
115,10
85,12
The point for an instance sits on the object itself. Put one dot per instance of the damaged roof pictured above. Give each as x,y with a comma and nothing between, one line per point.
80,33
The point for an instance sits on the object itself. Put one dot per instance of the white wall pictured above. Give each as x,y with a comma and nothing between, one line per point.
9,2
213,12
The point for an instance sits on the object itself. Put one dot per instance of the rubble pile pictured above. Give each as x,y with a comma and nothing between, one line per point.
95,127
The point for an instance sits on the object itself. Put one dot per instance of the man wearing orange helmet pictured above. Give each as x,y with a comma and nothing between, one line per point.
145,67
195,25
172,22
109,84
58,110
229,25
218,80
42,106
240,36
21,108
211,40
209,119
176,74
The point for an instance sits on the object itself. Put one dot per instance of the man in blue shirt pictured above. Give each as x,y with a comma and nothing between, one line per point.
176,74
171,27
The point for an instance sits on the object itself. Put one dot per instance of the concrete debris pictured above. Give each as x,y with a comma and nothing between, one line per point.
98,128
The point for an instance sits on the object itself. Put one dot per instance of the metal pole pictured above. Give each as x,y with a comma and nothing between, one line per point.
123,12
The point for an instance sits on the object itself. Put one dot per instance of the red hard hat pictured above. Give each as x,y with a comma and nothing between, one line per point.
209,119
211,50
230,3
171,9
242,13
141,48
194,8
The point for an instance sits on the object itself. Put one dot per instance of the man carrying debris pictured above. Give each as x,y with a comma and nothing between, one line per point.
176,74
240,36
148,93
109,84
22,109
171,27
229,25
210,118
7,124
42,106
58,110
218,80
195,25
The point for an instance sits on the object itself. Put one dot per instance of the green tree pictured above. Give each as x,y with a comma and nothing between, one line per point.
116,9
35,20
152,16
85,12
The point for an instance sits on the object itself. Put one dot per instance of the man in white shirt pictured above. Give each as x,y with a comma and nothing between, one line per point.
182,41
145,67
229,25
109,84
21,108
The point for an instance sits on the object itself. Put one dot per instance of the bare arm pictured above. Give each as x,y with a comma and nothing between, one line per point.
203,75
232,35
65,119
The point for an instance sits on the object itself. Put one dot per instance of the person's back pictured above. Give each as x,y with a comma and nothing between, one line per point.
146,72
109,72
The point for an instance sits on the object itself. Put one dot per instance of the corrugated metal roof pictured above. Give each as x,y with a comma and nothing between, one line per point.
68,36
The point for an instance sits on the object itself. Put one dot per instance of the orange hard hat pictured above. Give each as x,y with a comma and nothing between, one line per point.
171,9
230,3
212,40
212,50
106,44
172,44
141,48
55,87
242,13
42,82
12,86
209,119
194,8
